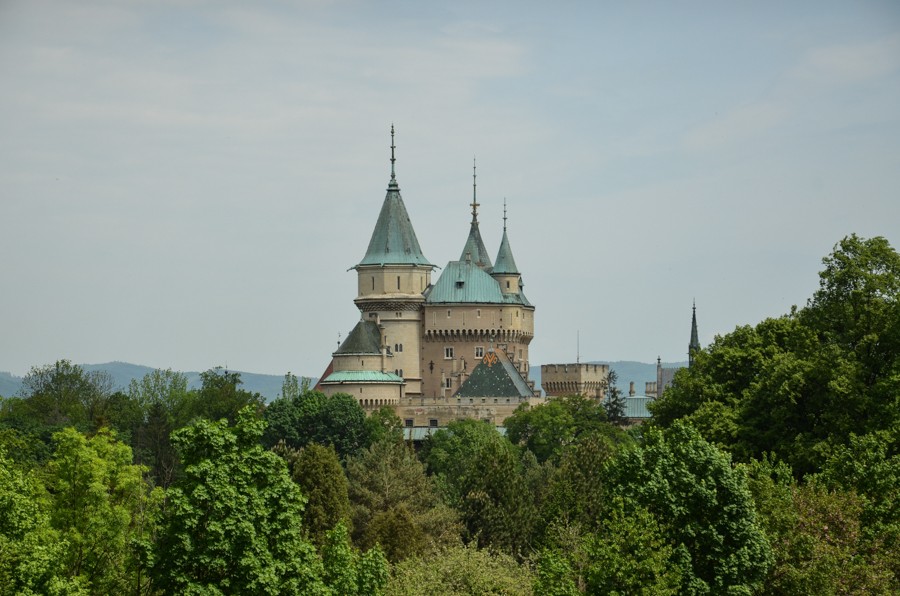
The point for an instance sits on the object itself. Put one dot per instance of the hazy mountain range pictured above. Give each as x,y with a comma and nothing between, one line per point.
269,386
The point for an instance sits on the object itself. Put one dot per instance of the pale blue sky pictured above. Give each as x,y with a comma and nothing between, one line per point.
180,181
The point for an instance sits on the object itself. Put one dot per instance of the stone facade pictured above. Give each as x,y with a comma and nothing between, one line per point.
589,380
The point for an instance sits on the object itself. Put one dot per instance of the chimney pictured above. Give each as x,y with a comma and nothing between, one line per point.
631,389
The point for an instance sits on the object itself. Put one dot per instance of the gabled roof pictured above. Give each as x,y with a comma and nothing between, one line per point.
506,264
474,248
495,376
365,338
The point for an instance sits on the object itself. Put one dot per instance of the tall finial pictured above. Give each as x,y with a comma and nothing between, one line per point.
475,202
504,214
393,159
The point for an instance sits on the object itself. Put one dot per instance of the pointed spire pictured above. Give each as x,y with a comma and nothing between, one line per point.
694,346
475,204
505,264
393,239
474,244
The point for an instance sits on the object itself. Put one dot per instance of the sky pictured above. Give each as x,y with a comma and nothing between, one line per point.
185,184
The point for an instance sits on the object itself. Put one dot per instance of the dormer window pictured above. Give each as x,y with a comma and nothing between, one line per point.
460,283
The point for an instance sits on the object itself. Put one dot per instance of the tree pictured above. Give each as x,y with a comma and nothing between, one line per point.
483,477
347,572
703,505
460,571
625,554
221,397
233,519
615,401
63,393
103,510
166,405
31,551
313,417
318,472
396,505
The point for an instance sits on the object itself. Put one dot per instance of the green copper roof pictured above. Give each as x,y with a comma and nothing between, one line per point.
393,240
365,338
495,376
462,282
474,248
506,264
362,376
636,406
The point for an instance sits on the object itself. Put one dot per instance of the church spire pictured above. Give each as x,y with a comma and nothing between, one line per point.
474,249
694,346
505,264
393,240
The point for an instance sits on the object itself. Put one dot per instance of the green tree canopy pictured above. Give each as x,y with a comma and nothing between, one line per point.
233,520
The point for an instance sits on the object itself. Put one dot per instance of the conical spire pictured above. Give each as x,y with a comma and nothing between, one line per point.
393,240
505,264
474,249
694,346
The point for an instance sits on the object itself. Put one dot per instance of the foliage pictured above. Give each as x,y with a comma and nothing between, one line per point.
626,554
703,505
459,571
800,385
102,508
166,404
483,476
346,572
313,417
396,505
221,397
318,472
232,522
614,405
384,425
31,551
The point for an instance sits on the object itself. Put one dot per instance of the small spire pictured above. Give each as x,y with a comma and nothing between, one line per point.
393,159
475,204
504,214
694,345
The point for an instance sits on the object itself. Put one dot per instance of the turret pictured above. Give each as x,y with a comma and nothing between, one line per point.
474,250
505,270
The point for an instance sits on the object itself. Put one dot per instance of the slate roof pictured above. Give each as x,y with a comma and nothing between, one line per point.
466,282
363,376
475,249
365,338
393,240
505,264
495,376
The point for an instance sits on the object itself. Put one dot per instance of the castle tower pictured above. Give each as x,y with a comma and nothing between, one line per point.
466,312
392,277
694,345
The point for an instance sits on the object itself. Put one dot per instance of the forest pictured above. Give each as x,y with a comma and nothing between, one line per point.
770,466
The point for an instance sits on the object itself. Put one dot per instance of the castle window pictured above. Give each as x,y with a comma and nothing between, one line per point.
398,283
448,353
432,422
408,423
479,351
507,284
398,315
400,349
373,283
447,382
401,373
448,313
478,313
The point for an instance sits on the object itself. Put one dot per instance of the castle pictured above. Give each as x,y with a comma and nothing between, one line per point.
435,352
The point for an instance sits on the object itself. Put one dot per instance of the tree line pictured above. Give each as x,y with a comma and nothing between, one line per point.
771,466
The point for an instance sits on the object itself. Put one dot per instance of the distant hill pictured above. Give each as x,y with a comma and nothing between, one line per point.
269,386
